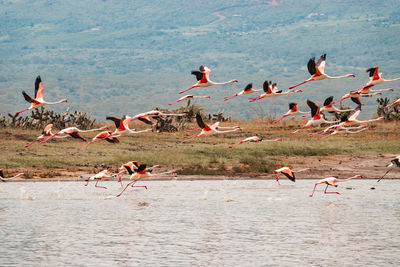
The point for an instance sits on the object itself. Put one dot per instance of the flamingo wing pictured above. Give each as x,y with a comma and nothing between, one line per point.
321,63
248,87
328,101
201,123
28,98
129,169
373,72
354,114
47,129
145,120
118,122
113,140
77,136
267,87
198,75
356,100
314,107
141,169
275,88
289,174
1,173
293,106
311,66
38,88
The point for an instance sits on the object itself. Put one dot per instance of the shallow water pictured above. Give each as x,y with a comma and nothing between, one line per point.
218,223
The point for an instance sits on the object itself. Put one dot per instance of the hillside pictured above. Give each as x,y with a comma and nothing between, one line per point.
114,58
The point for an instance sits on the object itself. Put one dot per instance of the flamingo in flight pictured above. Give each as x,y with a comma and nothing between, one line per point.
140,173
130,168
329,106
247,90
3,179
288,172
394,103
317,71
74,133
105,135
355,96
207,130
203,79
343,130
188,97
37,101
316,118
292,112
45,133
254,139
145,117
393,163
122,126
216,126
375,77
99,176
271,90
366,90
332,181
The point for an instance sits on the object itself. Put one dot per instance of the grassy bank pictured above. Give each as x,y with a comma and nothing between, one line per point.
208,155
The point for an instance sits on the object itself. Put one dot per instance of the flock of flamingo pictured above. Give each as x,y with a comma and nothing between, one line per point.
138,171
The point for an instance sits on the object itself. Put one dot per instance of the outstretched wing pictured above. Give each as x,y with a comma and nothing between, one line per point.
314,107
321,63
198,74
77,136
141,169
290,175
292,105
113,140
248,87
201,122
1,173
128,168
328,101
311,66
28,98
38,88
118,122
356,100
47,129
354,114
267,87
373,71
145,120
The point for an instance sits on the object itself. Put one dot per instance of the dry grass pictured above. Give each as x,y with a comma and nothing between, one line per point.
204,155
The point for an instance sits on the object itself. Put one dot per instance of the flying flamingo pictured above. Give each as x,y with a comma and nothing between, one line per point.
344,130
216,126
203,79
99,176
332,180
130,168
375,77
329,106
74,133
145,117
6,179
38,101
188,97
45,133
255,139
288,172
106,135
292,112
317,71
247,90
366,90
140,173
207,130
316,118
393,163
394,103
122,126
271,90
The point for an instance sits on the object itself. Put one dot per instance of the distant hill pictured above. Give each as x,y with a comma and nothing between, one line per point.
126,57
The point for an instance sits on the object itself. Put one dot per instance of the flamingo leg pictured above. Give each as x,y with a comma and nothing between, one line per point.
99,185
277,179
236,144
22,111
230,97
294,86
188,140
28,145
174,102
194,86
87,181
330,192
254,99
313,190
384,175
277,120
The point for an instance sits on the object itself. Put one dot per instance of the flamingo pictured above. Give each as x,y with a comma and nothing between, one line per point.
74,133
46,132
106,135
255,139
344,130
140,173
99,176
288,172
394,103
145,117
216,126
329,106
393,163
188,97
332,180
316,118
130,168
6,179
207,130
38,101
271,90
203,79
375,77
317,71
352,119
366,90
247,90
122,126
292,112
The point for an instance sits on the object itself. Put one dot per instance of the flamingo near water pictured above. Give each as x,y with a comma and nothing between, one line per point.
3,179
288,172
332,181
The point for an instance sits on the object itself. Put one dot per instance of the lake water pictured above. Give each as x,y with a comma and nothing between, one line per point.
199,223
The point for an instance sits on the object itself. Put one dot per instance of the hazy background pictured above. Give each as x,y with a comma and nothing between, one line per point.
126,57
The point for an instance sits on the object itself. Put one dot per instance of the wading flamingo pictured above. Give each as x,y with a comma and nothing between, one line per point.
207,130
317,71
188,97
99,176
316,118
203,79
247,90
106,135
288,172
38,101
394,103
45,133
74,133
271,90
140,173
6,179
145,117
333,180
329,106
292,112
254,139
122,126
345,130
393,163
